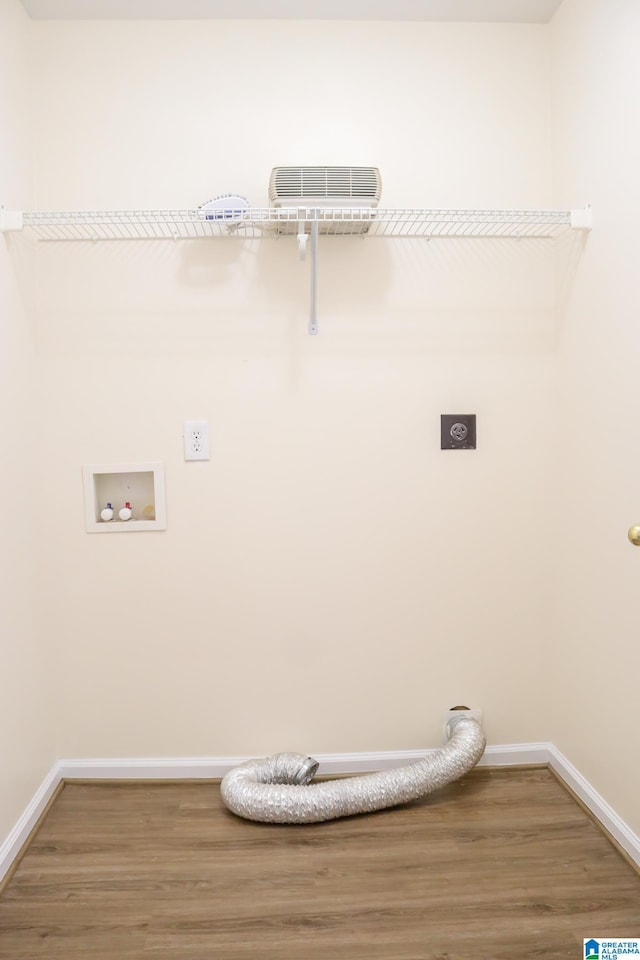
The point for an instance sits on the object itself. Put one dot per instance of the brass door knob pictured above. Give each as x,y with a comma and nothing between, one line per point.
634,534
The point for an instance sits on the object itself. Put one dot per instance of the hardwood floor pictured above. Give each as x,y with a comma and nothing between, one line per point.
501,865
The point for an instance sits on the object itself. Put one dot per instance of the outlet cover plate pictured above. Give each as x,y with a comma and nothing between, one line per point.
196,440
458,431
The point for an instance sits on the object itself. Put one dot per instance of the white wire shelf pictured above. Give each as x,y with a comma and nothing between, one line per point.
274,222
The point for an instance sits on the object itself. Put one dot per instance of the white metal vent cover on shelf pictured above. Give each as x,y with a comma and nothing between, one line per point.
325,186
311,189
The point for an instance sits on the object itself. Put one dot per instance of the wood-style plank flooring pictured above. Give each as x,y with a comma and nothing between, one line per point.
499,866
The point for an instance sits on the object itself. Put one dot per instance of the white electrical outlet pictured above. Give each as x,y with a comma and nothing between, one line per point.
456,714
196,440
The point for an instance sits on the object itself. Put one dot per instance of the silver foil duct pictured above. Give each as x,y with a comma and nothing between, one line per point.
277,789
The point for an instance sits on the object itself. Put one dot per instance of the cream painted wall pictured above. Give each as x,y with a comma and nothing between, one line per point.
26,743
330,580
597,157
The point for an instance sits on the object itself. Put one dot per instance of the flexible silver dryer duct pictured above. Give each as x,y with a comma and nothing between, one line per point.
277,789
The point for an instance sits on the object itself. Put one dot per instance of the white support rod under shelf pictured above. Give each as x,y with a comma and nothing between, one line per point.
261,222
313,321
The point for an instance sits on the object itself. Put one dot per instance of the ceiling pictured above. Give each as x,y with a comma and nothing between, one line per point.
488,11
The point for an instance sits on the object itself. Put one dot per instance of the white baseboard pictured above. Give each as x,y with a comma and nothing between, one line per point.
14,843
149,768
515,754
213,768
596,804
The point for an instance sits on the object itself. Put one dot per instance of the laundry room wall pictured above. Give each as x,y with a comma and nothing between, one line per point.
26,742
597,148
330,580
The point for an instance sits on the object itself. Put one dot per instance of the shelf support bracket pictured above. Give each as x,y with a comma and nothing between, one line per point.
582,219
10,220
313,320
302,241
